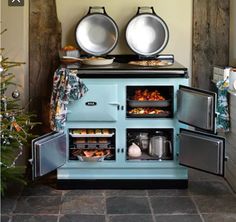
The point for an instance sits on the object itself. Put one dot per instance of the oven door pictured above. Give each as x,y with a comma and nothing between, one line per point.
197,108
202,151
48,153
98,104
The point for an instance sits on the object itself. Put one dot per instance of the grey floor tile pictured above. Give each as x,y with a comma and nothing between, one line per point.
197,175
168,192
127,205
8,204
5,218
83,218
38,205
14,190
216,204
209,188
178,218
126,193
40,190
84,193
173,205
131,218
34,218
83,205
219,217
11,194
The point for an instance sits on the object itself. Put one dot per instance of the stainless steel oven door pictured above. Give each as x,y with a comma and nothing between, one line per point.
202,151
98,104
196,108
48,153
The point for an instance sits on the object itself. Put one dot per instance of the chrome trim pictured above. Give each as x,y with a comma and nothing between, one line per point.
138,71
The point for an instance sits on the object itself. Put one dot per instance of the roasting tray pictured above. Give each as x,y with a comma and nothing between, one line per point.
92,145
94,158
91,159
149,115
148,103
92,135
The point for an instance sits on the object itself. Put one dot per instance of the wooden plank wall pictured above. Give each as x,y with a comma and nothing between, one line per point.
210,39
45,41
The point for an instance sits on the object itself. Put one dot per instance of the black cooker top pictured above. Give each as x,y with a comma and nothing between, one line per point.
121,68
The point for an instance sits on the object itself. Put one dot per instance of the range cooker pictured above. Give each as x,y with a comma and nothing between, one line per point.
93,149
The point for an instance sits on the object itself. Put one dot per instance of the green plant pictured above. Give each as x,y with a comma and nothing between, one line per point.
15,126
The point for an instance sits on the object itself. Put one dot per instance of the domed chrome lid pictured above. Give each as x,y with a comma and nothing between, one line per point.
146,33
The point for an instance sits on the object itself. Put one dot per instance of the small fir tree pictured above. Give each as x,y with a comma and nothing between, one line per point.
15,126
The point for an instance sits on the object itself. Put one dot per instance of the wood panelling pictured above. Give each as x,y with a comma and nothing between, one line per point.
210,39
45,41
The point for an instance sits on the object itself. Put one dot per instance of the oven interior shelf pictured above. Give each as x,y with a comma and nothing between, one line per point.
92,145
144,137
91,135
149,101
146,156
162,114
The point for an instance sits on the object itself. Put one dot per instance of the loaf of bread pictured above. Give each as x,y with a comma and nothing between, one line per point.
79,140
98,131
90,131
92,140
102,140
105,131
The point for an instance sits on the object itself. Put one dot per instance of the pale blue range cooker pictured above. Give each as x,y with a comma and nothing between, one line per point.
93,150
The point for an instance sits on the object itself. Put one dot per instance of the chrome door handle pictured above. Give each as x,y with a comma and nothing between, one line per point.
114,103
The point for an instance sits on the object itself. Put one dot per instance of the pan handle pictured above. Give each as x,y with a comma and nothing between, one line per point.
145,8
96,8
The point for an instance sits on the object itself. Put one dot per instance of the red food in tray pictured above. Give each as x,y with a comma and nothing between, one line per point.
146,95
146,111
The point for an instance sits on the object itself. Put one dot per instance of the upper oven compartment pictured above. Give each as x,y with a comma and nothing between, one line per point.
196,108
149,101
98,104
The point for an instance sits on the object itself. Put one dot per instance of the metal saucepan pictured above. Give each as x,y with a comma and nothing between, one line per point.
93,61
146,33
160,147
97,33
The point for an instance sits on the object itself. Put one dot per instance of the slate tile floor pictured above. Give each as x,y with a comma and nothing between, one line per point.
208,199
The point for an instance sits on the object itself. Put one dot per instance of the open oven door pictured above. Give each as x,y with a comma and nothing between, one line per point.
199,148
202,151
48,153
197,108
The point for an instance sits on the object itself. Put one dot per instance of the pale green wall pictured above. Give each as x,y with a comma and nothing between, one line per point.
15,42
176,13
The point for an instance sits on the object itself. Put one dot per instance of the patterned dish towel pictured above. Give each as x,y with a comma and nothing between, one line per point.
222,107
67,87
